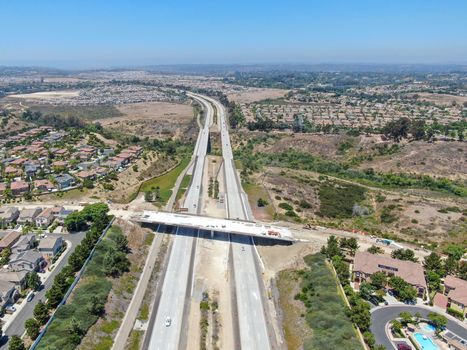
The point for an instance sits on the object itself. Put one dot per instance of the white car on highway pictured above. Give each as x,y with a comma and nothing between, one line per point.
168,321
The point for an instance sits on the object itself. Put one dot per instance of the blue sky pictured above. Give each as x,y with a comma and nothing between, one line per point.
71,33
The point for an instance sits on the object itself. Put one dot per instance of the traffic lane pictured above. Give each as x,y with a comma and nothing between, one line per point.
172,300
380,317
252,321
17,326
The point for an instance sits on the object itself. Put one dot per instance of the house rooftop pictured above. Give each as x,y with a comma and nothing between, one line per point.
458,288
370,263
48,242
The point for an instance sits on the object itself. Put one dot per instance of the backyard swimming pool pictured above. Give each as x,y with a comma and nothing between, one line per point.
425,342
429,328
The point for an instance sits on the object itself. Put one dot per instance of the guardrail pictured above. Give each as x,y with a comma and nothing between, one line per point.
73,285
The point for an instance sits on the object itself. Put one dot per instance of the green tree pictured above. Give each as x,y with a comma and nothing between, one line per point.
76,221
463,270
349,244
366,290
450,265
115,263
121,242
95,306
455,250
396,326
360,315
16,343
41,313
88,183
406,317
75,331
379,280
375,250
433,262
397,129
417,129
437,320
332,248
262,202
404,254
434,281
32,328
33,280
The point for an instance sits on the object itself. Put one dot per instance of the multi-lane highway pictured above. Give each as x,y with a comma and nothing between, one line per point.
248,283
168,327
167,331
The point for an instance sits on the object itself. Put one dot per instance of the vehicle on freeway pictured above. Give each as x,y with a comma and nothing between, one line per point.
30,296
168,321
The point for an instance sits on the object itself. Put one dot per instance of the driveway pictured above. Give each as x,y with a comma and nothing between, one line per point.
16,327
382,315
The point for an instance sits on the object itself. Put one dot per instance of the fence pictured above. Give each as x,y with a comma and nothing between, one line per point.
73,285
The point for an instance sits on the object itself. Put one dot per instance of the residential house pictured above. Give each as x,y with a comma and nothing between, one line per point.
45,218
456,291
60,165
8,294
19,187
50,246
62,214
28,216
9,239
64,181
29,260
8,215
2,188
86,175
366,264
25,242
43,185
12,171
137,150
18,278
31,170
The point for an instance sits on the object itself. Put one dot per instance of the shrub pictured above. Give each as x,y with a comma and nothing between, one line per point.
285,206
456,313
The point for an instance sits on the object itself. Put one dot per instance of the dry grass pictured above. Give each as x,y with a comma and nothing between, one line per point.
293,323
152,119
255,94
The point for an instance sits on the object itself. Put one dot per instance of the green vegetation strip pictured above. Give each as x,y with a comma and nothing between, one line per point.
183,186
326,311
86,305
300,160
165,182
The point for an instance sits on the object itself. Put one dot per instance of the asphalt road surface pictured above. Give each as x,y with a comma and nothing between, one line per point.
250,305
167,332
380,317
17,326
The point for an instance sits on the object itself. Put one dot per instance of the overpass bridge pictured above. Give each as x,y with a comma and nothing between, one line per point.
239,227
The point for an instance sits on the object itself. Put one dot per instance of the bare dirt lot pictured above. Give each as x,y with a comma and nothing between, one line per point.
152,119
254,95
46,95
442,99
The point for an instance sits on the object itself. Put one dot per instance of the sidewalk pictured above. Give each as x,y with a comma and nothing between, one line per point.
9,318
